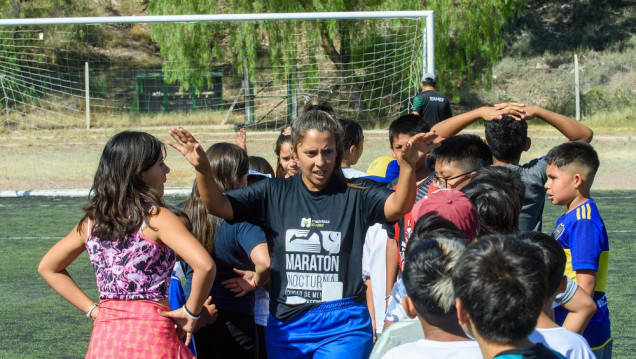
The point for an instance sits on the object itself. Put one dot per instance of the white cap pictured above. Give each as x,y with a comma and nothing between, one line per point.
429,77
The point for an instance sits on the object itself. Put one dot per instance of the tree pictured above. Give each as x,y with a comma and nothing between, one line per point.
468,38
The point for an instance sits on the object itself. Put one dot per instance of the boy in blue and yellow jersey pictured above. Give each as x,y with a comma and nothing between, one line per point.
571,168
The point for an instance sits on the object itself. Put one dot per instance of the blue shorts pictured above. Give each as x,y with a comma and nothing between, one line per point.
335,329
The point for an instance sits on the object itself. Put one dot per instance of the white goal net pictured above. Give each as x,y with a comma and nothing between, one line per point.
110,72
209,73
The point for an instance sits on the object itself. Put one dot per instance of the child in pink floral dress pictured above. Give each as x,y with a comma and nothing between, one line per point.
131,239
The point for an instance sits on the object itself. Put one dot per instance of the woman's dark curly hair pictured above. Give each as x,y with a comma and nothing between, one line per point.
119,200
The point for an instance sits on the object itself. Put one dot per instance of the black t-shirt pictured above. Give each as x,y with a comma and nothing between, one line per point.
315,238
432,106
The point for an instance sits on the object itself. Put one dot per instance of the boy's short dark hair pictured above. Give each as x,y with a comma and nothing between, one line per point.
352,133
408,124
501,283
497,206
427,277
574,152
509,176
468,152
506,138
553,257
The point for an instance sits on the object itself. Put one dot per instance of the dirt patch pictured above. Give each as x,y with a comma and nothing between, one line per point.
617,155
62,160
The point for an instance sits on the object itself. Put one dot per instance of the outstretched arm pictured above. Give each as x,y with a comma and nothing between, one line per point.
211,194
452,126
570,128
401,201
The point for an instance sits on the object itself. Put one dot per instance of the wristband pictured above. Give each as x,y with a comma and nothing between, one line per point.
90,310
189,314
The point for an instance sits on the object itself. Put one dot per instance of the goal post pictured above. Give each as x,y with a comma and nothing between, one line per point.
369,74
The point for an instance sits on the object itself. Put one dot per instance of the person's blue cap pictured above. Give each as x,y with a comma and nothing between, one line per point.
383,169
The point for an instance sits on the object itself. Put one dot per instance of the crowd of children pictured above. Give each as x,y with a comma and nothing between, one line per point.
434,251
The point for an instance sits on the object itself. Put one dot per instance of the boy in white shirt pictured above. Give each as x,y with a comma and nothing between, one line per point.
569,344
427,277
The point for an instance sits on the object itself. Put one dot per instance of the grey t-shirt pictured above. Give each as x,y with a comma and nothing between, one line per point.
534,177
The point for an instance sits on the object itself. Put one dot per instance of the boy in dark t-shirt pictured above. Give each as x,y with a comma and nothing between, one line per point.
499,295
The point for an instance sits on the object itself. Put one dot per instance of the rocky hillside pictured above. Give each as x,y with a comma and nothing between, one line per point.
538,62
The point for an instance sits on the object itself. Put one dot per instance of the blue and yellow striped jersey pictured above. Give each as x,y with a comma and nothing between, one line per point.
583,236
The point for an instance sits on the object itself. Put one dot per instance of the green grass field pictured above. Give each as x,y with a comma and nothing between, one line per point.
37,323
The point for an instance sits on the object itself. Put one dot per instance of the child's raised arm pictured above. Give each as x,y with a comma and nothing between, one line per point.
452,126
211,194
570,128
241,138
401,201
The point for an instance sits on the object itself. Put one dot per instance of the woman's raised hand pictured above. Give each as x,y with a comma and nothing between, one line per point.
187,145
417,147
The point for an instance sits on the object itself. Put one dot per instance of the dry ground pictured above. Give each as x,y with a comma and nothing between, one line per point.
67,159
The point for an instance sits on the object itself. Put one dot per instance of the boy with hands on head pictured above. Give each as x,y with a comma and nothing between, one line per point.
506,131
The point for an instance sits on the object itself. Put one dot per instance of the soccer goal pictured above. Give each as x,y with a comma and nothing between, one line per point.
234,70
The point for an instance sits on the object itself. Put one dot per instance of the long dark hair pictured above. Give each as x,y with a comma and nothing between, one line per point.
119,200
229,162
280,141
